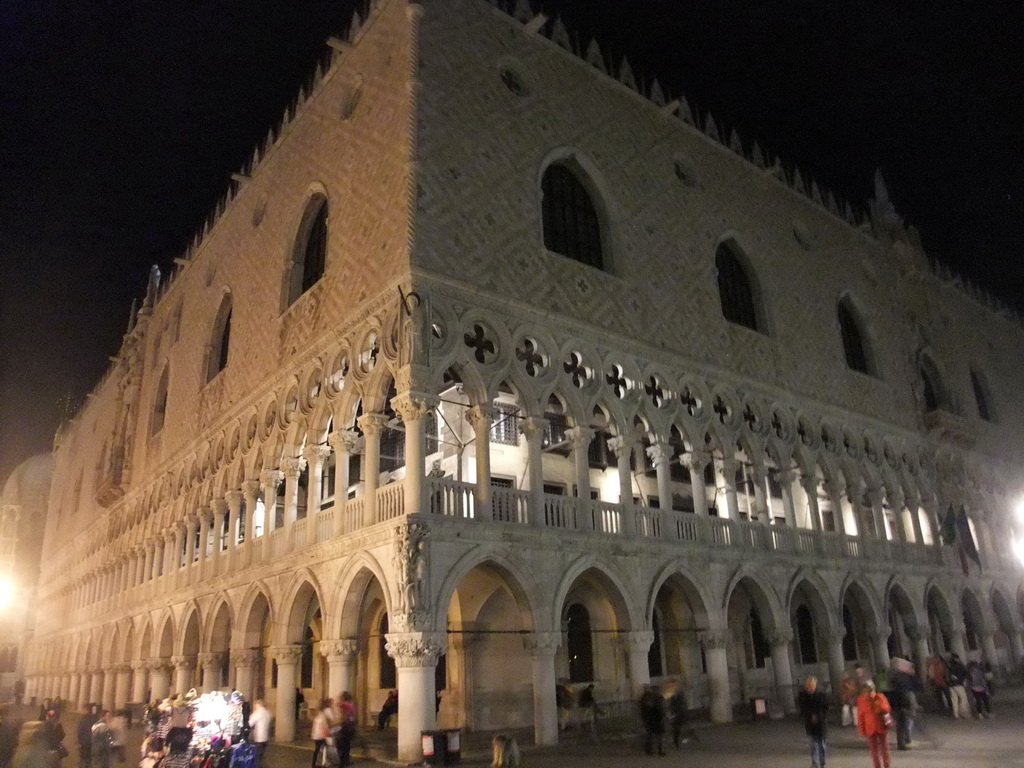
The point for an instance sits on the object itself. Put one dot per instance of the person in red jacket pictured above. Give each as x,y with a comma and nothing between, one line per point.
874,720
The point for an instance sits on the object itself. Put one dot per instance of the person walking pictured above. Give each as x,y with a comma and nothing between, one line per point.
346,731
321,730
85,724
903,700
8,738
652,714
590,710
101,741
54,733
979,689
677,716
259,729
956,677
118,724
874,719
813,706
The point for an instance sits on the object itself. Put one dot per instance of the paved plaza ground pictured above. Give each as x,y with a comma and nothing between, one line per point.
941,743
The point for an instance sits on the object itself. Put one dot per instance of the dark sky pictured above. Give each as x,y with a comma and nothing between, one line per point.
121,122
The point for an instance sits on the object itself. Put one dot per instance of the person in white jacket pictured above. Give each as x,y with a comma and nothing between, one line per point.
259,734
321,731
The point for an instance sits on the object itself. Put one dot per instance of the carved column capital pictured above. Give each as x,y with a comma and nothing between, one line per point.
271,479
345,649
211,659
714,639
183,662
251,487
344,441
286,655
579,437
412,406
542,643
157,664
233,498
372,423
660,453
780,637
292,467
638,641
416,649
480,416
879,635
530,426
316,454
219,506
620,446
245,657
696,460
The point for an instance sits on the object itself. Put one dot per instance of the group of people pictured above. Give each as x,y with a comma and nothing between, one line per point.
961,688
334,727
654,710
871,709
101,738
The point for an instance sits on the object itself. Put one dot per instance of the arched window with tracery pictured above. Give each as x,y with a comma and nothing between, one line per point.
981,398
854,339
579,644
220,339
735,289
309,254
572,225
160,402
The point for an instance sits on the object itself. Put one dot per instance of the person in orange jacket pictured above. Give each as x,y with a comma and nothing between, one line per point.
874,720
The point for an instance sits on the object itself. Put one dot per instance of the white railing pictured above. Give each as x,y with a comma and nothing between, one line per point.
324,522
450,498
510,506
390,501
352,515
299,528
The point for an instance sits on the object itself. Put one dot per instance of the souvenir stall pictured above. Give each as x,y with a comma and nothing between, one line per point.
200,729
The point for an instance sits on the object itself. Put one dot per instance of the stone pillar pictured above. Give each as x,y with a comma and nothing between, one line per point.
760,478
880,642
220,511
205,519
211,664
251,495
183,666
480,417
874,494
315,456
957,641
623,448
344,443
532,429
75,689
339,654
159,679
139,680
271,480
988,650
234,502
170,560
580,439
542,647
191,523
896,504
85,688
716,658
810,485
122,686
372,425
834,488
292,468
914,509
921,650
836,660
695,462
415,655
779,642
413,410
147,568
96,689
786,479
287,657
729,467
180,533
638,645
661,456
245,660
1017,647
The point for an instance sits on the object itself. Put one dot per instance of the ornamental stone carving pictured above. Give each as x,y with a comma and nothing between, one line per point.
183,662
714,640
286,655
345,650
638,642
542,643
412,407
779,637
409,563
212,659
292,467
271,479
372,423
245,657
415,649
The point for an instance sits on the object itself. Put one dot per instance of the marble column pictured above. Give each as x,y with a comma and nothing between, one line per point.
292,468
988,650
834,489
372,425
729,467
96,687
271,480
786,479
480,418
716,643
874,494
623,449
191,524
180,533
695,462
836,660
205,522
287,657
780,642
251,496
532,428
637,646
415,655
413,409
211,663
542,647
810,485
760,479
340,655
183,667
245,660
895,497
159,679
315,456
345,443
220,511
234,502
122,685
580,438
660,455
880,644
139,681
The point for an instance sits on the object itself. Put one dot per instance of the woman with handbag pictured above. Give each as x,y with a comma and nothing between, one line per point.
874,719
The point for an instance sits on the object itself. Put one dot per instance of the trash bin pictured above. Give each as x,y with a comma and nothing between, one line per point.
453,746
435,747
759,708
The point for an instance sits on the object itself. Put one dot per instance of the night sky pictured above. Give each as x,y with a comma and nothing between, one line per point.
121,122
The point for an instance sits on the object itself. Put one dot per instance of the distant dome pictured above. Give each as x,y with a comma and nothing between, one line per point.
29,484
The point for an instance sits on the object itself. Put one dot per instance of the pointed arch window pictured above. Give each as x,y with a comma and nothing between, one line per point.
572,226
220,340
981,398
160,402
854,339
735,289
309,254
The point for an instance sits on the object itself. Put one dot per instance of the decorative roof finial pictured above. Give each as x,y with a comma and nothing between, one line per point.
152,287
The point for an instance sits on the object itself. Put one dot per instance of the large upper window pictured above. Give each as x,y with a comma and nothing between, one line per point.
220,339
735,289
572,226
854,345
309,255
160,403
981,398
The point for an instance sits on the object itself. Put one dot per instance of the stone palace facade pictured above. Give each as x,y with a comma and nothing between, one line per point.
496,368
